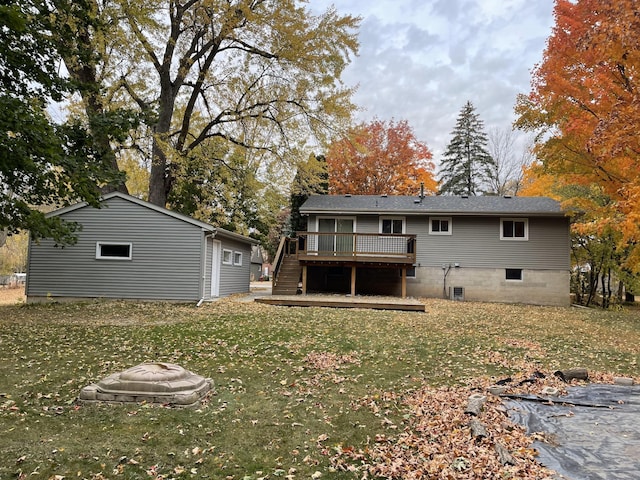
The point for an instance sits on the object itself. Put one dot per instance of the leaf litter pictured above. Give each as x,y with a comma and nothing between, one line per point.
358,393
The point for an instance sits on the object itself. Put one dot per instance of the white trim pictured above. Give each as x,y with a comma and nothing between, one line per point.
238,262
441,219
514,238
393,217
226,251
216,248
100,256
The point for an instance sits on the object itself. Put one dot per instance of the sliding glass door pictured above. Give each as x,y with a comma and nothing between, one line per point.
335,244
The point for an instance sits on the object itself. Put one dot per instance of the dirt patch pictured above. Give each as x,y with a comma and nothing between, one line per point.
11,295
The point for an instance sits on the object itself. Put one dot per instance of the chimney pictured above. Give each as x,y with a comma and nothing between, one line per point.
421,191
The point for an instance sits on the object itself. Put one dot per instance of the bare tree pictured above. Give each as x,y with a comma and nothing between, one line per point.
511,154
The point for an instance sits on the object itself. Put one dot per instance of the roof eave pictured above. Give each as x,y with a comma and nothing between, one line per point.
442,213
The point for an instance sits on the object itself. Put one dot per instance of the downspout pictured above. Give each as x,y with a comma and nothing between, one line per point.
445,270
204,268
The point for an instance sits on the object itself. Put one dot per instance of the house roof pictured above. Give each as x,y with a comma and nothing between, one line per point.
432,205
204,226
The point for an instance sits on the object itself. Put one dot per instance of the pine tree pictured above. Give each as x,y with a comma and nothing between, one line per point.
467,166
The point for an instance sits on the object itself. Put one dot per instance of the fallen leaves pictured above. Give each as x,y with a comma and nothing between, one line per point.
437,443
294,388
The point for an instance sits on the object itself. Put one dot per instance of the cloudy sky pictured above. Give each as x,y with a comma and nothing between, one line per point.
421,60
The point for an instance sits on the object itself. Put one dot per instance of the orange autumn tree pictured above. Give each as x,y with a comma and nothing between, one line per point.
380,158
585,108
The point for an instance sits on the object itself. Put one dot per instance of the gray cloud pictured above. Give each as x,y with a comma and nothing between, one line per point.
421,61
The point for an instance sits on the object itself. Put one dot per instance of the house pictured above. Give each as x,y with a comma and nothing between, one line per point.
488,248
132,249
257,259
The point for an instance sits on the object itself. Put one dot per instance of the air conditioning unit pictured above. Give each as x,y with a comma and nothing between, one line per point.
456,293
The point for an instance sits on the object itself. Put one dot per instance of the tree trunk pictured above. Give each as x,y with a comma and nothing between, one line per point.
571,374
83,70
160,178
158,191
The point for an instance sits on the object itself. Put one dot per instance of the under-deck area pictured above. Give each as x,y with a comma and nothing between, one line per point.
344,263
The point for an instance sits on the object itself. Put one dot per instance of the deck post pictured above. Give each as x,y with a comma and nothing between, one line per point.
404,282
353,281
304,279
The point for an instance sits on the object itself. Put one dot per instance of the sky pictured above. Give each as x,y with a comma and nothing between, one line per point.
422,60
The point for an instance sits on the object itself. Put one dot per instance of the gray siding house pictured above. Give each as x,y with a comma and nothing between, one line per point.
496,249
131,249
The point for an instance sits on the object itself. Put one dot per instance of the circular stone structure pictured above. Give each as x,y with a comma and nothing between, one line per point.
160,382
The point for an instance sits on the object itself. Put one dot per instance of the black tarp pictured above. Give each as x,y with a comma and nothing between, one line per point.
593,435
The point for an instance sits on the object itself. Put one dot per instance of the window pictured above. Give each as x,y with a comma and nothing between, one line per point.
514,229
513,274
113,251
226,257
440,226
237,258
392,225
411,272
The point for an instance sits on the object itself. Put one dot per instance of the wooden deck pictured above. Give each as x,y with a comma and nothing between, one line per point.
344,301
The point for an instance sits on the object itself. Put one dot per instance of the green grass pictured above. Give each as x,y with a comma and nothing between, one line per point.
275,412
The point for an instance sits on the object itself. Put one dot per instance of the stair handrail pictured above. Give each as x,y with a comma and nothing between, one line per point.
280,253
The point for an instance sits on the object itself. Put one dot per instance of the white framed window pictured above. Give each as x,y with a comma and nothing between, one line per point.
227,257
392,225
514,229
513,274
440,226
237,258
114,250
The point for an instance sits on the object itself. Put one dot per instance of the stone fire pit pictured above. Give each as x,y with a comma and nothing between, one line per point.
161,383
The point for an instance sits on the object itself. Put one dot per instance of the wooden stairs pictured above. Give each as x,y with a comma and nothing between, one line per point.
288,278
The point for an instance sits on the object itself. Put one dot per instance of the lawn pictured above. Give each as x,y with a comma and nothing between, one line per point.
299,392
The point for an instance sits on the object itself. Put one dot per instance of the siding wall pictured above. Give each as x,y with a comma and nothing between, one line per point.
235,278
166,257
475,242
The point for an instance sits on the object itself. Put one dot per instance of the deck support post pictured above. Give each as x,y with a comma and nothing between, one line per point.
404,282
353,281
304,280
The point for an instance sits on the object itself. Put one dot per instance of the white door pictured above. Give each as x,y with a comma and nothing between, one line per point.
215,268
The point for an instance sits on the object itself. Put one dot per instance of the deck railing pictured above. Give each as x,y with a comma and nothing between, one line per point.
357,246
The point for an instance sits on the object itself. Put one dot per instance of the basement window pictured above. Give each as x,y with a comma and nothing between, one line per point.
113,251
411,272
513,274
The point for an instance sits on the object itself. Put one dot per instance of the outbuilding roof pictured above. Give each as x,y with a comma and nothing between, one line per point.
204,226
432,205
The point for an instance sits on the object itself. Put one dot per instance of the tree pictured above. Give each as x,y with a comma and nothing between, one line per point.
510,161
585,110
380,158
41,163
467,167
312,177
255,74
228,192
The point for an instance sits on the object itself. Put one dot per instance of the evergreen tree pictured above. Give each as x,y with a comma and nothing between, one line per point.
311,178
467,166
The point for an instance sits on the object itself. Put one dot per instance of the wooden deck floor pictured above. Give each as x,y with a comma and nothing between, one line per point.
344,301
